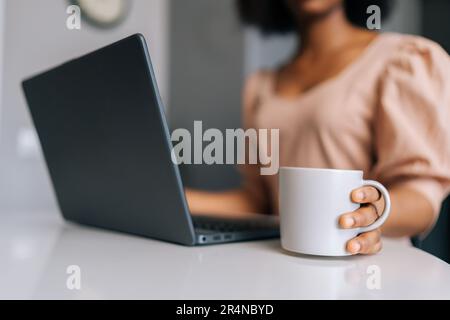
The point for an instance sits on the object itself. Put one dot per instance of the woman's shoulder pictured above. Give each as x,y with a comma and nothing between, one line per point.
407,51
257,84
405,42
258,77
416,73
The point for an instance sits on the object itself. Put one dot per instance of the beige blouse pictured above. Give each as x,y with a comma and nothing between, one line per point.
388,114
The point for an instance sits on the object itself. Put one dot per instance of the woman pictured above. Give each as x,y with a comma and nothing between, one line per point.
350,98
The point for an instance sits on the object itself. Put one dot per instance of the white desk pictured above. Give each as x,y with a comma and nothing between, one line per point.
35,250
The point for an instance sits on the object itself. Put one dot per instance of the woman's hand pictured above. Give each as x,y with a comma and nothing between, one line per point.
372,203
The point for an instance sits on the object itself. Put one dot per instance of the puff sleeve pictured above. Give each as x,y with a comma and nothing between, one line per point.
412,127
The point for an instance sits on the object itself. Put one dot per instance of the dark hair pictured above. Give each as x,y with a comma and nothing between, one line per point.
274,16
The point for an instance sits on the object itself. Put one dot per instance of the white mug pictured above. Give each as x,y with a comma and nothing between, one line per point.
311,202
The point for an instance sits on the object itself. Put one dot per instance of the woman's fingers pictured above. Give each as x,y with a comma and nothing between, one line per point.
361,217
365,195
366,243
371,204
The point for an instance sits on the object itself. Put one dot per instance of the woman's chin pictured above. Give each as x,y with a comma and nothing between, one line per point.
314,8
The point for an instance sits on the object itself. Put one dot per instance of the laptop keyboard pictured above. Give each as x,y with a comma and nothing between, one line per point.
231,225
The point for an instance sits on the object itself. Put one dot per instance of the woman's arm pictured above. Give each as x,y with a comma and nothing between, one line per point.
236,202
411,213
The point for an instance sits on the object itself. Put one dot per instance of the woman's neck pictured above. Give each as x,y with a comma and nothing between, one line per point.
326,34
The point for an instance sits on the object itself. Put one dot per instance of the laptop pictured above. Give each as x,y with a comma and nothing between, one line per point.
107,147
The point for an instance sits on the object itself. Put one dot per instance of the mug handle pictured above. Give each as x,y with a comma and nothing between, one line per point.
387,206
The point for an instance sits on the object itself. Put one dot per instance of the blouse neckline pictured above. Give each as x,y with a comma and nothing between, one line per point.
367,52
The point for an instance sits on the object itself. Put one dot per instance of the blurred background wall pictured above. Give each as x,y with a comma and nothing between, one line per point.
35,38
206,64
2,22
201,56
436,21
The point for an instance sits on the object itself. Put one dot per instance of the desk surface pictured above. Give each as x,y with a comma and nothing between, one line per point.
36,249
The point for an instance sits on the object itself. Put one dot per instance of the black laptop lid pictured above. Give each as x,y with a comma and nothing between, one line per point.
102,129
